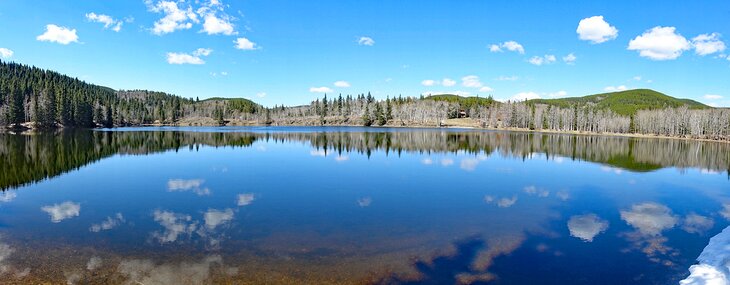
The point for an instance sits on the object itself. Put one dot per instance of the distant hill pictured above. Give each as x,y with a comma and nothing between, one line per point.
625,102
464,102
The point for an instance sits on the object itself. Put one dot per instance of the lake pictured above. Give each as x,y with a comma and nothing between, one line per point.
331,205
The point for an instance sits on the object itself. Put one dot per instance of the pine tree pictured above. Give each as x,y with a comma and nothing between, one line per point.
366,120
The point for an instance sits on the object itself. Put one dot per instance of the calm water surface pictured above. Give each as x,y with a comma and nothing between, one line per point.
356,205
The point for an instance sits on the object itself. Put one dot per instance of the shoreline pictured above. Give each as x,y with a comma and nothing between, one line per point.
414,126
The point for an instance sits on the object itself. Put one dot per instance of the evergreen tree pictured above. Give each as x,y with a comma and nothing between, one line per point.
366,119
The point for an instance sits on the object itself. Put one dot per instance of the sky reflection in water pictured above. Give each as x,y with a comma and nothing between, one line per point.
348,206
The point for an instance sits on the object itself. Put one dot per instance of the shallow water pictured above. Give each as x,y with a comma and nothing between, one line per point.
355,205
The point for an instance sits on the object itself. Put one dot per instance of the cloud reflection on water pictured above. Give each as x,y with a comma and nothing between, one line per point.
60,212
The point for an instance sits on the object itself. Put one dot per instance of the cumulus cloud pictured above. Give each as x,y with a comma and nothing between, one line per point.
615,88
448,82
586,227
323,89
214,25
214,218
596,30
145,271
705,44
428,82
712,97
660,43
60,212
94,263
5,53
108,224
108,21
57,34
365,41
540,60
508,45
486,89
184,185
245,199
471,81
245,44
501,202
523,96
342,84
507,78
570,58
364,202
714,262
185,58
697,224
175,17
174,225
649,218
7,196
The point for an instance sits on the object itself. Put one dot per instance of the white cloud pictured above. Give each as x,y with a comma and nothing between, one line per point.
570,58
559,94
447,161
705,44
697,224
5,53
60,212
183,58
175,18
471,81
94,263
501,202
586,227
712,97
108,21
138,271
245,199
538,60
486,89
649,218
615,88
323,89
428,82
61,35
174,225
342,84
507,78
522,96
596,30
108,224
365,41
637,78
214,218
364,202
714,262
7,196
214,25
182,185
508,45
245,44
261,94
448,82
660,43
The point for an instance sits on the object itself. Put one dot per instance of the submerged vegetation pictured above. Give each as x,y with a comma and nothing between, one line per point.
33,97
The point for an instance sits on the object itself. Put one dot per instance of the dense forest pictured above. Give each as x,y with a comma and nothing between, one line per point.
31,158
33,97
48,99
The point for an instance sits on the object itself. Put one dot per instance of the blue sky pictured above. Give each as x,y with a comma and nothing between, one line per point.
288,52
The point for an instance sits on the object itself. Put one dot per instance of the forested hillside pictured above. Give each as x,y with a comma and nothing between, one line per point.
625,102
49,99
33,97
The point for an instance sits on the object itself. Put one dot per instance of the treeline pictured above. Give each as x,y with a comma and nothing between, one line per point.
30,158
364,110
48,99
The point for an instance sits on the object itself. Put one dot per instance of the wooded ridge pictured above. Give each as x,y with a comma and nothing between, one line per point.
38,98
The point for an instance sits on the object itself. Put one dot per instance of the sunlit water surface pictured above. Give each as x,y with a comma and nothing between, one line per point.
355,205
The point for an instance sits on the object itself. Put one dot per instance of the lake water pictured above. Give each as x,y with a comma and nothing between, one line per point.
276,205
